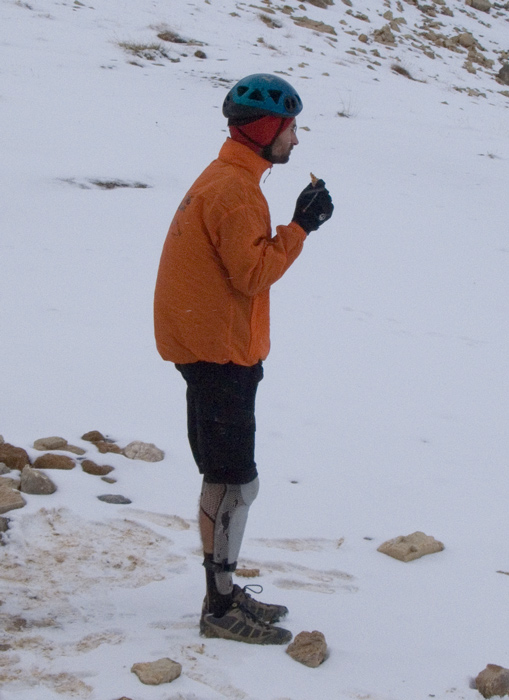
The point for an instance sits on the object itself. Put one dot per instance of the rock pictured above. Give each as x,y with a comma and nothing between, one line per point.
75,449
114,498
409,547
13,457
466,40
92,468
157,672
503,74
36,482
50,443
4,469
146,451
314,25
93,436
322,4
308,648
10,482
482,5
493,681
52,461
384,36
247,573
108,480
4,527
104,446
10,499
57,443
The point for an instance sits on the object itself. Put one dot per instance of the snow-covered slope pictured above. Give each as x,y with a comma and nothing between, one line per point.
384,407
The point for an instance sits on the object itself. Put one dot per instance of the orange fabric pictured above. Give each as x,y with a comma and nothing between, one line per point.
218,263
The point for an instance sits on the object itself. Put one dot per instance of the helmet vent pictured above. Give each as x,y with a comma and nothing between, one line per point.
257,96
290,104
241,90
276,95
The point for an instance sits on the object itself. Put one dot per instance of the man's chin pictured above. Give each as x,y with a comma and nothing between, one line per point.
280,160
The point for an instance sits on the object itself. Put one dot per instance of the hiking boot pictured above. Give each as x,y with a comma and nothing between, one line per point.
266,612
240,625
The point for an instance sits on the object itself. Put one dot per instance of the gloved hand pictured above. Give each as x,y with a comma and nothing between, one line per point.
314,207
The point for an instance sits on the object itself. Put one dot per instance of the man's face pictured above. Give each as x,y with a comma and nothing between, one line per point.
282,146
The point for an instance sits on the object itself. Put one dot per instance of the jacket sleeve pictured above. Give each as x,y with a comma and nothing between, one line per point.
252,257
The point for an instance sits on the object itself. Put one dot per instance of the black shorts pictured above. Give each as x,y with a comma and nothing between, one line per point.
221,419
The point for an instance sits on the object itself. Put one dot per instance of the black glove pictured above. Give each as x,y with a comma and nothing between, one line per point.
314,207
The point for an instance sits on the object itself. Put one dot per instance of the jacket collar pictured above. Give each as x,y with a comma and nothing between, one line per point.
236,153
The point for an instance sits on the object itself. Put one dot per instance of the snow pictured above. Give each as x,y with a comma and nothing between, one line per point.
384,405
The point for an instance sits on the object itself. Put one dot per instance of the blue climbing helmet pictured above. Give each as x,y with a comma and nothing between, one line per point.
261,94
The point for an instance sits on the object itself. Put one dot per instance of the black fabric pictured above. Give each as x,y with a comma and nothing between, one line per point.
216,603
221,419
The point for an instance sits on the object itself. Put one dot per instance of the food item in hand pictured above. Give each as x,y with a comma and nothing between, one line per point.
314,179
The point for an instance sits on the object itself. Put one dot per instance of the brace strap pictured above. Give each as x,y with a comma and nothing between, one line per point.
219,567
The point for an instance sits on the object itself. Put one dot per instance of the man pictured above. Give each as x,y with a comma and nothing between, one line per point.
211,315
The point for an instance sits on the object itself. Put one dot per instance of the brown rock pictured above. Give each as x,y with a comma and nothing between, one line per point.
157,672
50,443
308,648
104,447
384,35
322,4
57,443
52,461
482,5
503,74
93,436
466,40
10,482
75,449
409,547
493,681
36,482
92,468
13,457
247,573
314,25
10,499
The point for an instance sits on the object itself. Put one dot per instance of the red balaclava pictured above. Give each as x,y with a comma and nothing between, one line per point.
260,134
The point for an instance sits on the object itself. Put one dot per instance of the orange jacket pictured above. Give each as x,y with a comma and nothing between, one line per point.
218,263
